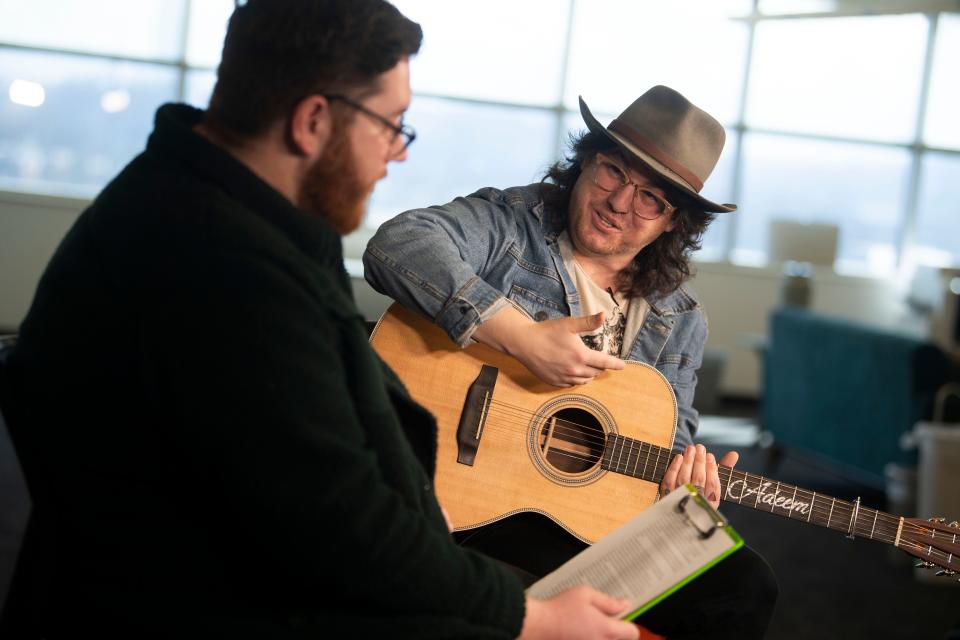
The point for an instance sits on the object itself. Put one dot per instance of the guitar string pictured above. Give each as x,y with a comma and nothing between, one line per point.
660,468
867,528
824,510
842,509
863,527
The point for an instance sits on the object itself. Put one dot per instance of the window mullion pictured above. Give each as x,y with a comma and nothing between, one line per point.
740,127
909,216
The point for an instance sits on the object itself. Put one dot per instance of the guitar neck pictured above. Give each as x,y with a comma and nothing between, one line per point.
649,462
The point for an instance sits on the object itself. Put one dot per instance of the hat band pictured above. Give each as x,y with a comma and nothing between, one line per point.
658,154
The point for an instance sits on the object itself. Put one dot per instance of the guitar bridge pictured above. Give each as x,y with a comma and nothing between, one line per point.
474,414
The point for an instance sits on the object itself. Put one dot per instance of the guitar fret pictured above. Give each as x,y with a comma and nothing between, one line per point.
622,442
950,557
624,461
608,453
851,527
623,455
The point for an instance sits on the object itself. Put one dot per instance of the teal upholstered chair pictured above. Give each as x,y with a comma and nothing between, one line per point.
846,391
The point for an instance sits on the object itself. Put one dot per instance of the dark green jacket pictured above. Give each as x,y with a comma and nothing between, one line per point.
213,447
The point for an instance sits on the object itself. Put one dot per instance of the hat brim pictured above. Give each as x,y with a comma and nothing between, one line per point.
648,161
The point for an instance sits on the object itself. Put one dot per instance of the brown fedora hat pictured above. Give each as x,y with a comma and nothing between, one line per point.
670,135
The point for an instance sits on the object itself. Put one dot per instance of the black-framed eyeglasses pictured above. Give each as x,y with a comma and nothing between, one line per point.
646,204
406,131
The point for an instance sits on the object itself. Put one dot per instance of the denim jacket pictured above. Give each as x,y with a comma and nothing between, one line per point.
459,263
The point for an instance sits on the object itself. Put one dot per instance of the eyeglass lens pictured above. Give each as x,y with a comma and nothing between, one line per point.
645,203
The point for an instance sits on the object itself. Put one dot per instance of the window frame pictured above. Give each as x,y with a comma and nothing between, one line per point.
917,147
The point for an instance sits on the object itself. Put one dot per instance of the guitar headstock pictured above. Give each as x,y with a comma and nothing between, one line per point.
934,542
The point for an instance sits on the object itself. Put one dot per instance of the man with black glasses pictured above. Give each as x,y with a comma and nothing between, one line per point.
212,447
574,274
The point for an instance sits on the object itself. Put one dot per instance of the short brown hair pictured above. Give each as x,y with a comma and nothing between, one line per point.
278,52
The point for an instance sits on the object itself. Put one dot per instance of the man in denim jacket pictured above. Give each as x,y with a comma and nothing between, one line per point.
463,263
585,269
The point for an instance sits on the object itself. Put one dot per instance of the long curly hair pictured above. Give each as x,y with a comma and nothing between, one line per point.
663,265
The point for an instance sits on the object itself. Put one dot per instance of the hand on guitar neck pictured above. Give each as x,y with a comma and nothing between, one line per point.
697,466
551,349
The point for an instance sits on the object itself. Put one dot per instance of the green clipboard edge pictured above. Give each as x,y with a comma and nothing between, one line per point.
737,543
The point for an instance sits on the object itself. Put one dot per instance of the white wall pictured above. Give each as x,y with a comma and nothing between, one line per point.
31,227
738,299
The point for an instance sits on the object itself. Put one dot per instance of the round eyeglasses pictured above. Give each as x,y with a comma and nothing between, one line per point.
610,177
401,130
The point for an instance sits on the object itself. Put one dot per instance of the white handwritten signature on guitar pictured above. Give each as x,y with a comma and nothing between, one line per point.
738,490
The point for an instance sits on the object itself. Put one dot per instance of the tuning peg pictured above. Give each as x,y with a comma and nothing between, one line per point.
954,524
923,564
946,572
937,519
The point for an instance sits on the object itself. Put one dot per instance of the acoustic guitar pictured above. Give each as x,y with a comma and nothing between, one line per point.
588,457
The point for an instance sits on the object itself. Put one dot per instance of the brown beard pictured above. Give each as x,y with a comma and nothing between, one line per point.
331,187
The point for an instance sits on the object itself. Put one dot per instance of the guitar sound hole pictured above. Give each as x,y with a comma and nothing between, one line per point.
576,442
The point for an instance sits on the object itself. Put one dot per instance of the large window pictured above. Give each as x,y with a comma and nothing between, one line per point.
836,112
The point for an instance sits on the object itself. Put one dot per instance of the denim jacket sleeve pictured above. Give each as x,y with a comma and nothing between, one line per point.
435,259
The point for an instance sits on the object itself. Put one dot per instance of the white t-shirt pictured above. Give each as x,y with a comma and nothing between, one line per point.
623,316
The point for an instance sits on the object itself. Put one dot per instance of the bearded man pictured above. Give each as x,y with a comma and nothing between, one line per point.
212,447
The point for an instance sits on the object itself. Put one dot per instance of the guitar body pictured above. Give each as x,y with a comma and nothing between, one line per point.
589,457
539,447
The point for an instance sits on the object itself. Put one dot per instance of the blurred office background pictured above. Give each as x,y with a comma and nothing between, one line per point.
841,115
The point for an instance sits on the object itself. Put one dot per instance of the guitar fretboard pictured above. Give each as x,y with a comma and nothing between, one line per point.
649,462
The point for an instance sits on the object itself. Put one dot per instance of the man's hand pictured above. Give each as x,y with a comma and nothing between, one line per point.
552,349
700,468
577,613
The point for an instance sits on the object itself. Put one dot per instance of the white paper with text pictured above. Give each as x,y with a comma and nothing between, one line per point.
646,557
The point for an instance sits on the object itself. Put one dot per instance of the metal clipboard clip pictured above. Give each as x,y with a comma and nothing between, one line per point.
706,520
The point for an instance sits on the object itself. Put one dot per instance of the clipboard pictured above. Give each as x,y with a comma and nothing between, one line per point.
652,556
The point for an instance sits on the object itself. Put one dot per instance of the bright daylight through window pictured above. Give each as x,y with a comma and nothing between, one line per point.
858,132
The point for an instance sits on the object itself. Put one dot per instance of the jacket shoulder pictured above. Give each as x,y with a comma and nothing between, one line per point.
526,197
